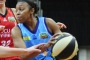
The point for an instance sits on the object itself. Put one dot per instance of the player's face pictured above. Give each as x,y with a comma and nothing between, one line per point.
22,12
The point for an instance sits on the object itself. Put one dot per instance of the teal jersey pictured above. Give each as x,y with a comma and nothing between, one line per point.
40,34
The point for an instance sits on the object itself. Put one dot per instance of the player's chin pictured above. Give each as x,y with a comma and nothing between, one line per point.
20,21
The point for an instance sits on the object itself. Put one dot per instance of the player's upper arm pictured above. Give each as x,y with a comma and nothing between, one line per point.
53,27
17,38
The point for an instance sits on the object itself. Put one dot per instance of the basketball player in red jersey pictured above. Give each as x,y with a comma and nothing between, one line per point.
7,20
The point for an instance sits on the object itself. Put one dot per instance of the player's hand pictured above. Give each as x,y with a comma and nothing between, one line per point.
61,25
53,39
35,48
50,43
33,51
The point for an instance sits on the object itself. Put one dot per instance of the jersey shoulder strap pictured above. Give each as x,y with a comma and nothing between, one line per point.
14,12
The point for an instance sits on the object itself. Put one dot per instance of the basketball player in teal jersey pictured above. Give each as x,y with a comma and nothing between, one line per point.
34,30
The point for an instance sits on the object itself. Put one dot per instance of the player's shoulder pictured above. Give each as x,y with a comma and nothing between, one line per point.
15,28
49,20
13,9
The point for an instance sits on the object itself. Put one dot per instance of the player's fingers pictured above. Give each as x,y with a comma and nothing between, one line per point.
36,50
57,34
39,45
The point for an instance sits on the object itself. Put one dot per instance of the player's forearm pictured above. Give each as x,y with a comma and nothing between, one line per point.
7,52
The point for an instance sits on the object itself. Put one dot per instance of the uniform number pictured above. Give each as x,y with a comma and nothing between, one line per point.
6,43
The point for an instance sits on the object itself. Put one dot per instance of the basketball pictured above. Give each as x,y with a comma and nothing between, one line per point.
65,47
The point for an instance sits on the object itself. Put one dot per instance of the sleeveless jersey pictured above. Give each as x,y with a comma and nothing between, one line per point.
7,20
40,34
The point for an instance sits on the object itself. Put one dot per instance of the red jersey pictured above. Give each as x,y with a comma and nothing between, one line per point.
7,20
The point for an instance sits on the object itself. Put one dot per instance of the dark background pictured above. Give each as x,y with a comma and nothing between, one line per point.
75,14
11,3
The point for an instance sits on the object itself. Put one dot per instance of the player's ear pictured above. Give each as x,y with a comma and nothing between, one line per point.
32,10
